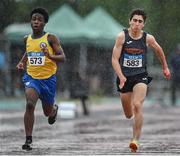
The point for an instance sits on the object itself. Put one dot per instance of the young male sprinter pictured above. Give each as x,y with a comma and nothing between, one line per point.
129,63
43,52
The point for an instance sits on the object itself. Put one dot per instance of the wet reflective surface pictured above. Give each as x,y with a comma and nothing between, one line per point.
104,132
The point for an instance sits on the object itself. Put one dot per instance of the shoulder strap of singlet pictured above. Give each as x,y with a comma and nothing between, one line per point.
144,36
125,32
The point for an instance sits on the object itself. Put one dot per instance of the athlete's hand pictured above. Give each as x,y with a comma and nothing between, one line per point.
167,73
122,81
46,52
20,66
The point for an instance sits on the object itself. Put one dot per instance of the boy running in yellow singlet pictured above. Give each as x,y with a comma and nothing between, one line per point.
43,52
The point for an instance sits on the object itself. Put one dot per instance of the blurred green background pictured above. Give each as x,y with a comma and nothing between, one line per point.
88,57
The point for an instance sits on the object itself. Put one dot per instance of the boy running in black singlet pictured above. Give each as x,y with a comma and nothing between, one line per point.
129,63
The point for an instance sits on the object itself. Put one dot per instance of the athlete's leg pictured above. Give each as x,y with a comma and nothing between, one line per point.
48,96
31,99
126,104
49,109
139,94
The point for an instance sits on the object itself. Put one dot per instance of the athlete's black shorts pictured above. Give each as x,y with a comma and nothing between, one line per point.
132,81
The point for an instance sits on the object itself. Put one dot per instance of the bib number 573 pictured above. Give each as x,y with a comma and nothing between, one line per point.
38,61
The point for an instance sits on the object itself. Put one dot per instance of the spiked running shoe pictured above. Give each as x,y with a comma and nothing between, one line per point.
133,146
52,119
27,146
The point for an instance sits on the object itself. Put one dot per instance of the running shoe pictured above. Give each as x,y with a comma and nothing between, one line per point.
28,145
52,119
133,146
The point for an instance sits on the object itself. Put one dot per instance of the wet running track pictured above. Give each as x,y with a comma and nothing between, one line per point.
104,132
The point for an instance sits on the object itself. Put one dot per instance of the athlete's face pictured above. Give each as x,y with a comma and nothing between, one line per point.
37,22
137,23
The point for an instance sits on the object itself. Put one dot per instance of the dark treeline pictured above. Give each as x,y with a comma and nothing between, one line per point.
163,15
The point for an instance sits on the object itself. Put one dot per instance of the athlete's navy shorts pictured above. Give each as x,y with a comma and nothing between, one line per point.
46,88
132,81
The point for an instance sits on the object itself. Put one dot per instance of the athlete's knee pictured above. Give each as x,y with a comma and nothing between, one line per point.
137,106
30,107
129,116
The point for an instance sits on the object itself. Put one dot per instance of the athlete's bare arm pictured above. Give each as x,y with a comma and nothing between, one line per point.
22,63
58,55
115,58
159,52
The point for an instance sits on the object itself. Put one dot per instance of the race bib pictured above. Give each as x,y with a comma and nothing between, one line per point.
36,58
132,61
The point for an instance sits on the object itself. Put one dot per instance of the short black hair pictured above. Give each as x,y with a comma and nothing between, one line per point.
41,11
138,12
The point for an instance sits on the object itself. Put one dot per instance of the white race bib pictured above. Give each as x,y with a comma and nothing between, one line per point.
132,61
36,58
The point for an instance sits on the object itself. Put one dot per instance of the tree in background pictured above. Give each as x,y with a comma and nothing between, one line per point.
163,15
7,9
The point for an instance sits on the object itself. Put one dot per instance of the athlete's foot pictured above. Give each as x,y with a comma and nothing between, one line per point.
134,145
28,145
52,119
